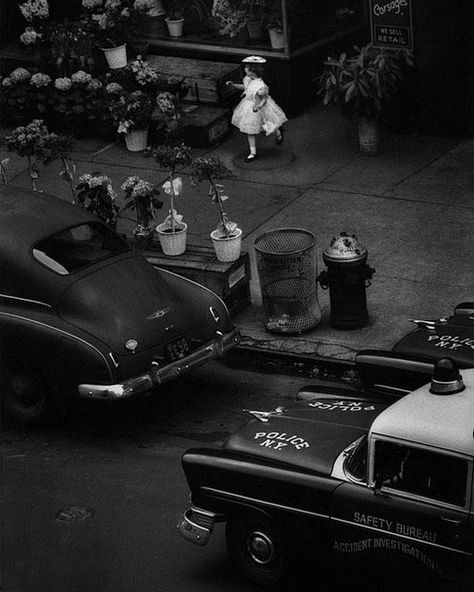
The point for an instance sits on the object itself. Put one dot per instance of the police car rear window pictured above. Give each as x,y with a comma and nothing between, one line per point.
422,472
74,248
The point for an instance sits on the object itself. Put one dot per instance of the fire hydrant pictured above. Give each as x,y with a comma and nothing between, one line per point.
347,278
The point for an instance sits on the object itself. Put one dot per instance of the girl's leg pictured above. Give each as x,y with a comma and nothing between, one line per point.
252,140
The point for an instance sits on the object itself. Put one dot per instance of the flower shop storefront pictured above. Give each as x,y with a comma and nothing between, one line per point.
293,35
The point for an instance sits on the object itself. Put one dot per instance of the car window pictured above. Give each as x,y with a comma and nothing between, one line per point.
418,471
74,248
356,462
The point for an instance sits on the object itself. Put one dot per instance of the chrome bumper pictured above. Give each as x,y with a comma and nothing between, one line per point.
156,376
196,526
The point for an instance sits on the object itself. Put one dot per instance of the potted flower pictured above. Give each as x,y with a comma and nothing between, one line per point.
140,195
39,96
111,23
362,83
70,46
175,17
15,96
231,22
71,101
36,15
172,231
227,237
38,145
94,192
132,112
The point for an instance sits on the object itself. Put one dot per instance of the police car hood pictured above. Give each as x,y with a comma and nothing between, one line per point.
309,435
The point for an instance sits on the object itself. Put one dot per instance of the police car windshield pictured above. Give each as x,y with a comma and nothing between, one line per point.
356,463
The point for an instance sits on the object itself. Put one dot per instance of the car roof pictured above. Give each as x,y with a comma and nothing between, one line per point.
28,216
442,421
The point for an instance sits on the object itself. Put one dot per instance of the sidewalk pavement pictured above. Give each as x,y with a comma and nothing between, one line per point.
412,206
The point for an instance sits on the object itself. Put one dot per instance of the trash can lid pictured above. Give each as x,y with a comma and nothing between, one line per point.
345,247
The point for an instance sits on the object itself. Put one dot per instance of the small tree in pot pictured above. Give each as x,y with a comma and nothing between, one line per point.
227,236
362,84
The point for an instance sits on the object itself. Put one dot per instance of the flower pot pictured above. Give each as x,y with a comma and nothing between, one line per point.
255,29
227,249
116,56
136,140
369,135
175,27
172,243
277,38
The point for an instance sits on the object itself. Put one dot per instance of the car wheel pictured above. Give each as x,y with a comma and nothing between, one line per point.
25,395
258,550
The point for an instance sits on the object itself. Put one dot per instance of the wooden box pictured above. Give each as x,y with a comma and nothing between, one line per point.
206,81
230,281
204,125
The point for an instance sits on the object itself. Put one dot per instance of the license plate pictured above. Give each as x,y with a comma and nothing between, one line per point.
177,349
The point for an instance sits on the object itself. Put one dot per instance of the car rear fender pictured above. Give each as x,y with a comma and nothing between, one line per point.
224,482
63,355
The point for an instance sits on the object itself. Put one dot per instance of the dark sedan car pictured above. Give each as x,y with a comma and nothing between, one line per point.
84,315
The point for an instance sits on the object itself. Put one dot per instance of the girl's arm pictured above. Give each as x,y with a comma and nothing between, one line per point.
260,99
234,85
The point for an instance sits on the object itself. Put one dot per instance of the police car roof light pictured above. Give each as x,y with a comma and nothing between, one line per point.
446,379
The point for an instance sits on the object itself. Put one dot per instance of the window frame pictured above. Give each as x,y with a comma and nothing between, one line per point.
413,496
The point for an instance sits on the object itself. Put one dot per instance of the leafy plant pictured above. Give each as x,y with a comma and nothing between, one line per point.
96,195
210,169
175,9
132,110
140,195
364,81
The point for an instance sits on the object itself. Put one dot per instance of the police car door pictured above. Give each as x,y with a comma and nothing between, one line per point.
419,518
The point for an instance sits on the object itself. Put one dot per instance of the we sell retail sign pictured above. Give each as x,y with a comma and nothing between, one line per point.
391,23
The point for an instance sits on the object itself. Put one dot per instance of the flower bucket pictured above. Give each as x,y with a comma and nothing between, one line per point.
172,243
227,249
369,136
116,56
277,38
175,27
136,140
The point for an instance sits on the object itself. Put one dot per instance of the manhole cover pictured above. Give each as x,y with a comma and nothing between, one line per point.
74,514
268,159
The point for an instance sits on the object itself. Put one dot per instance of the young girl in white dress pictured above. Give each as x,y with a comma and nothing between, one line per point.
257,111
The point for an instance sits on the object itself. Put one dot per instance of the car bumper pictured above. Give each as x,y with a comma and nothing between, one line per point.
196,525
143,383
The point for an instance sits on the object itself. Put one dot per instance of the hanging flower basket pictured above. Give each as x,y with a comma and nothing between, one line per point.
227,248
116,56
136,140
172,243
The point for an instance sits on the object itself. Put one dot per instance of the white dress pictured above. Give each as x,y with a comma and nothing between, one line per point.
269,118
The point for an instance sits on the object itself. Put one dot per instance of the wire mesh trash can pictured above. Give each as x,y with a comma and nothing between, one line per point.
287,270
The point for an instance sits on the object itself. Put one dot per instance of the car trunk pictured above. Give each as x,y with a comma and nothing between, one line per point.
132,307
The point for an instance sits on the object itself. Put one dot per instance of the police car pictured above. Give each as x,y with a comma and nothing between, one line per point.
346,487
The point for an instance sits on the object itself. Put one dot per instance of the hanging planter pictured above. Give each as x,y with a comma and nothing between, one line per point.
116,56
173,242
136,140
227,248
175,27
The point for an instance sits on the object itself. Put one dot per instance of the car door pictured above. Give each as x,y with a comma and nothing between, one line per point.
415,522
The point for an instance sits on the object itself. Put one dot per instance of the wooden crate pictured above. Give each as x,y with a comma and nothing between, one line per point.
230,281
205,125
206,81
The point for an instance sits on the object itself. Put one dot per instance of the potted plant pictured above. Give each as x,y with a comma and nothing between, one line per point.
111,23
132,112
70,102
39,96
140,195
255,17
227,237
172,231
154,19
36,15
274,25
175,17
70,46
94,192
231,21
38,145
362,83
